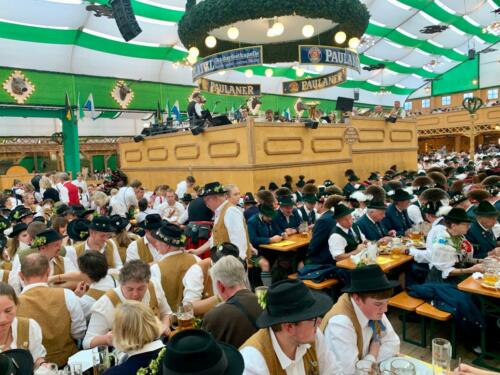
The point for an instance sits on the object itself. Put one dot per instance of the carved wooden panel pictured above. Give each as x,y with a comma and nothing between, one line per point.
187,151
457,118
493,114
369,135
133,156
283,145
401,135
157,153
327,144
435,120
224,149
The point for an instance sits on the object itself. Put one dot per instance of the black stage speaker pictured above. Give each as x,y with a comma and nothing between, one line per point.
344,104
220,120
472,54
356,95
125,19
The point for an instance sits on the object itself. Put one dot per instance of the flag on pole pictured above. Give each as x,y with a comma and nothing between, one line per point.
80,107
176,112
158,115
168,113
89,106
67,108
288,115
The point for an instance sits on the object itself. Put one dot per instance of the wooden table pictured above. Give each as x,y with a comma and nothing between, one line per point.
386,266
489,304
299,241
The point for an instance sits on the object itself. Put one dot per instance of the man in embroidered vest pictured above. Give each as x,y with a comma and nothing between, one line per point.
229,223
48,243
346,238
172,267
135,284
480,233
396,215
56,310
198,286
288,340
356,328
96,281
371,223
234,321
145,247
98,238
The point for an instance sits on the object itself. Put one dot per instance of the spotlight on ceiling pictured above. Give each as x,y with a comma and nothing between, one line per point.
433,29
374,67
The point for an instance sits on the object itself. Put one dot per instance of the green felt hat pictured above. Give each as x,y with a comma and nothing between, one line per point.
285,200
267,210
485,208
341,210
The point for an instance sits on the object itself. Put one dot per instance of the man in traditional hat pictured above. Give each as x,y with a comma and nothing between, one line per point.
420,184
144,248
475,197
287,219
346,238
195,110
262,232
56,310
171,268
371,224
234,321
300,187
352,185
307,212
229,223
289,341
250,206
480,233
97,238
396,215
356,328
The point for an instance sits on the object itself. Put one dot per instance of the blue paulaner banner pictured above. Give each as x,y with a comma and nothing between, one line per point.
329,56
232,59
316,83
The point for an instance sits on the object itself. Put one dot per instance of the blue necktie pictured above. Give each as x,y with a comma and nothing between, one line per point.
377,327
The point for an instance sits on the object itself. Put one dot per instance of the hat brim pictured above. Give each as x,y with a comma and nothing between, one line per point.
322,304
486,213
372,288
15,233
345,213
21,358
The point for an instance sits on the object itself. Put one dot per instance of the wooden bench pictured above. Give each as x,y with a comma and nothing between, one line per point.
408,304
428,311
326,284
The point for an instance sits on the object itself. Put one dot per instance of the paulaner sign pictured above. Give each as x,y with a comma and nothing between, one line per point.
232,59
316,83
226,88
329,56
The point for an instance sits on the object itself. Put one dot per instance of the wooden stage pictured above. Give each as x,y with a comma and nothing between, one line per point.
252,154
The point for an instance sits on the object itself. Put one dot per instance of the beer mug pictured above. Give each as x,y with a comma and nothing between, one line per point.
185,316
396,248
401,366
490,272
441,356
366,367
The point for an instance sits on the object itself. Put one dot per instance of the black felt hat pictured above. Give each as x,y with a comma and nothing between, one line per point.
20,212
341,210
401,195
310,198
81,211
290,301
102,224
223,249
267,210
152,222
457,198
18,228
16,362
369,279
376,205
373,177
273,186
285,200
352,178
248,198
196,352
458,215
78,229
119,222
3,242
4,224
212,188
63,209
485,208
46,237
170,234
187,198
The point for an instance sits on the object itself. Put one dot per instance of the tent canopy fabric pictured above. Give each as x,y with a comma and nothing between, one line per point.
62,36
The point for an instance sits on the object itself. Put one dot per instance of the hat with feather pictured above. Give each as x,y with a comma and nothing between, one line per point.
438,178
376,192
421,183
478,195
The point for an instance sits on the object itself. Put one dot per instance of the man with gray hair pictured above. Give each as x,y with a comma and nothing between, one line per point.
233,321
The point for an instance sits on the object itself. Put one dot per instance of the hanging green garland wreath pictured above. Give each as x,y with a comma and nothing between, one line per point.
200,19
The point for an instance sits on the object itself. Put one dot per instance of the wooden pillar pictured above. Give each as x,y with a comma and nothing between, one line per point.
458,142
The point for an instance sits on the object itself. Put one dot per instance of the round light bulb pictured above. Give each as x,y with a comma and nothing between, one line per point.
233,33
340,37
299,72
308,31
248,73
474,81
318,68
191,59
210,41
193,51
354,43
269,72
278,28
222,73
271,33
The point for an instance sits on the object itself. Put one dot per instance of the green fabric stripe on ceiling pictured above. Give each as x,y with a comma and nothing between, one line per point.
442,15
151,11
403,40
37,34
397,68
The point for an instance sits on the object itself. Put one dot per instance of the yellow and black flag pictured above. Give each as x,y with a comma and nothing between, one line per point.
67,108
